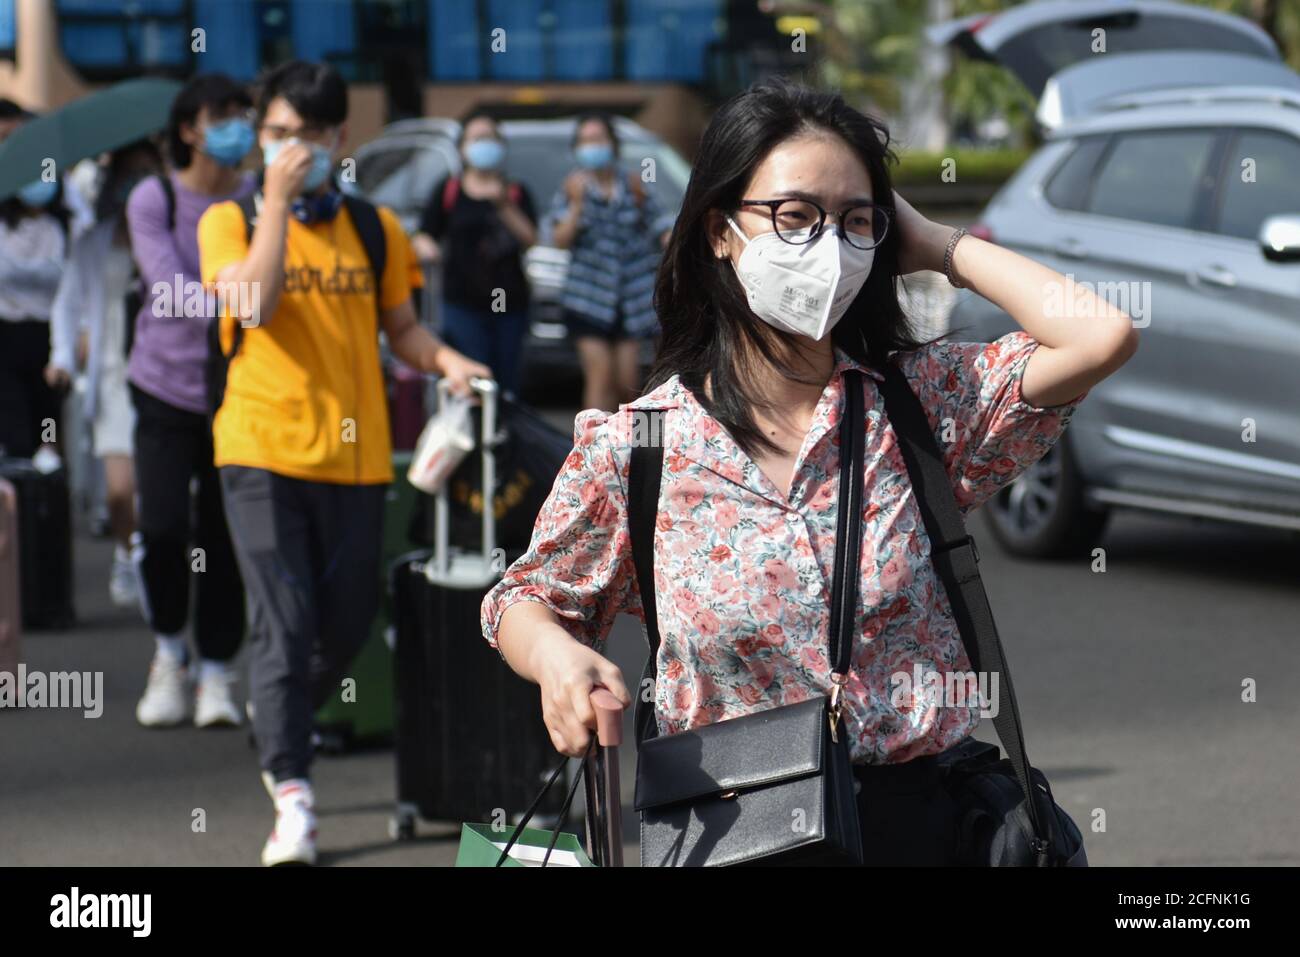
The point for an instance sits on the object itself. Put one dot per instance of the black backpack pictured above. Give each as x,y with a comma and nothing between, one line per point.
365,217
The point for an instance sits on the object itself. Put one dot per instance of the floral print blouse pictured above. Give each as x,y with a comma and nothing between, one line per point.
743,571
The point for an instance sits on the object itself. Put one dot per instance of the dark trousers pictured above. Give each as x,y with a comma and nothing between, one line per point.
310,557
906,816
173,448
493,338
26,401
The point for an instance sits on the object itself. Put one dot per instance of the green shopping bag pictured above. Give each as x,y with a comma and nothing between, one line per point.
481,846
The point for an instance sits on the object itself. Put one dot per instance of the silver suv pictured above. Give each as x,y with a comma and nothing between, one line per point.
1170,183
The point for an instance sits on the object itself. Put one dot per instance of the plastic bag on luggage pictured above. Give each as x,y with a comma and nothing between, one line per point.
529,454
443,444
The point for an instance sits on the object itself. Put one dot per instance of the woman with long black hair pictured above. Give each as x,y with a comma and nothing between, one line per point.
778,288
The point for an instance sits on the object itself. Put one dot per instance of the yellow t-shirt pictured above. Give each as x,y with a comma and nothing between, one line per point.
305,392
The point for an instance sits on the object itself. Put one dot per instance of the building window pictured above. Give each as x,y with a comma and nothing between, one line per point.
112,39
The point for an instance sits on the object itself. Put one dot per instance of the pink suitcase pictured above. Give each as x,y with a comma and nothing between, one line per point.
10,611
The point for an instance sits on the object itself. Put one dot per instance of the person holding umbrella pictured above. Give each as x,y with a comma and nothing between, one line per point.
34,243
35,240
209,132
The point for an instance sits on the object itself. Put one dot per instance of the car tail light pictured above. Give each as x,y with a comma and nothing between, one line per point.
981,231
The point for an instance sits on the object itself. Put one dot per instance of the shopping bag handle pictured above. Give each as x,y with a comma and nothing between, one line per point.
609,733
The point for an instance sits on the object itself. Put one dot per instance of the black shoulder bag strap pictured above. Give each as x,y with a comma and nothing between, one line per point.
169,196
955,558
643,509
643,483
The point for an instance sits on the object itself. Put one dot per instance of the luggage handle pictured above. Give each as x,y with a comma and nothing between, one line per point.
609,718
438,570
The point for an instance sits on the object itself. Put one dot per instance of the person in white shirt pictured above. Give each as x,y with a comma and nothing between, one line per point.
33,248
93,299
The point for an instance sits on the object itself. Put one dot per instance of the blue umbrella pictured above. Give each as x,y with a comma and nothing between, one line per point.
94,124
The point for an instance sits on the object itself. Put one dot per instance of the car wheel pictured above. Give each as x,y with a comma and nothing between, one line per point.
1042,514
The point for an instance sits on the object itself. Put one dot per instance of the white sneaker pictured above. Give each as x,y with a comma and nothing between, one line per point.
166,699
293,840
123,583
213,703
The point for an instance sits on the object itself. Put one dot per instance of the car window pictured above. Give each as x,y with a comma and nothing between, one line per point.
1262,179
1154,177
542,162
401,177
378,165
1068,187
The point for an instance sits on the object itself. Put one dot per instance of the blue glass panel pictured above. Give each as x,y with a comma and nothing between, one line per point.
666,39
93,44
232,37
583,40
322,27
453,40
522,22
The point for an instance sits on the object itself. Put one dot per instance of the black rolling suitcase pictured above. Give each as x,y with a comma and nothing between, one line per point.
44,543
470,741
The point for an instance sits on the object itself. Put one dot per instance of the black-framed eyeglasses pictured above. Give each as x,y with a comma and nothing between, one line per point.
800,221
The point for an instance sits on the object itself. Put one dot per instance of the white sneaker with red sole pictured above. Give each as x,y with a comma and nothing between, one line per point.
293,840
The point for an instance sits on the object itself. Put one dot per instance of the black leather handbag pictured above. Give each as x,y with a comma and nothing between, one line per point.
998,826
771,788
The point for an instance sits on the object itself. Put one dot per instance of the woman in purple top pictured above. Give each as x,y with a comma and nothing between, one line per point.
208,134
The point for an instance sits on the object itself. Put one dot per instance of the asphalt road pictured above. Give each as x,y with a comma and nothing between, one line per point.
1130,684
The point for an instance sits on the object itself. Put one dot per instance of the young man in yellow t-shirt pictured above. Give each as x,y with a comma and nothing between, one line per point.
301,437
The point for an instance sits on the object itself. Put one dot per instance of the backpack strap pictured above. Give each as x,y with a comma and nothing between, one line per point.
636,188
218,361
365,218
169,195
450,192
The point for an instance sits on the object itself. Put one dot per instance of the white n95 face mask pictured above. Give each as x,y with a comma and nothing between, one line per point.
802,289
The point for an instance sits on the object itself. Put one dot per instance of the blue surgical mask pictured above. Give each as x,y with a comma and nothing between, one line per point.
321,163
594,155
229,142
39,193
485,154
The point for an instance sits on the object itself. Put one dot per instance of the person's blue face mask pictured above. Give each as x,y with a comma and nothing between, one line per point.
229,142
594,155
485,154
39,193
321,163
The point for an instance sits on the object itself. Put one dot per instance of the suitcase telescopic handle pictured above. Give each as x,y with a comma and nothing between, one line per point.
609,718
487,391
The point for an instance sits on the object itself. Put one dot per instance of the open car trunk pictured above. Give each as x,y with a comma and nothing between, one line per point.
1149,45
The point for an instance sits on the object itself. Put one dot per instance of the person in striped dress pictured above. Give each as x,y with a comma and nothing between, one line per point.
615,229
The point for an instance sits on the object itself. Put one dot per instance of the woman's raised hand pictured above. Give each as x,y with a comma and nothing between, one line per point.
922,242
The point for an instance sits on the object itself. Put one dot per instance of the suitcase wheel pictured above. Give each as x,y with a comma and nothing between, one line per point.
401,826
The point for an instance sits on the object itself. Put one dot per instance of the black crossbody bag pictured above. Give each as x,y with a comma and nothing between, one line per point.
771,788
997,825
